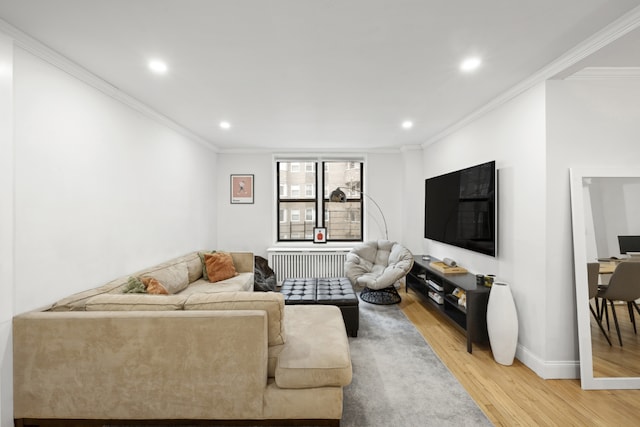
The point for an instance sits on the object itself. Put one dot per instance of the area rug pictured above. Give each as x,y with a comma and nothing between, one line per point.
398,380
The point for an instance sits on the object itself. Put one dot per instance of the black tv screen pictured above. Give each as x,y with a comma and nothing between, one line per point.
461,208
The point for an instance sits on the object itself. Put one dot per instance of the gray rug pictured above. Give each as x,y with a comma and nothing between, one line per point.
398,380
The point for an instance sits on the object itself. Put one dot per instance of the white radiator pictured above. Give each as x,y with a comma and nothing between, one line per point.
289,264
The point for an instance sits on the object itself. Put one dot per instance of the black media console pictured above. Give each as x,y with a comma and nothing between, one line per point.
472,320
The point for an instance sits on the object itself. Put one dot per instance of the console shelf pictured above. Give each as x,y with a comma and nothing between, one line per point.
437,288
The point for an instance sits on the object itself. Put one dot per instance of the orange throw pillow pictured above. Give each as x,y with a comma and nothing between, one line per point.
219,266
153,286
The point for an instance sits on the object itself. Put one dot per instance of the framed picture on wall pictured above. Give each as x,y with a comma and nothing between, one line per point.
319,235
242,189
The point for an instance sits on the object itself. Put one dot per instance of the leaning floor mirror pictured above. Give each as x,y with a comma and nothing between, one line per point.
605,204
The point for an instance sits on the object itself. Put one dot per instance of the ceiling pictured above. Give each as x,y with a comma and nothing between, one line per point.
318,74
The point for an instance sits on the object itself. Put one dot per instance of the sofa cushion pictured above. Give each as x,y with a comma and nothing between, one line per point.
174,278
271,302
241,282
317,359
243,261
77,301
219,266
194,266
135,302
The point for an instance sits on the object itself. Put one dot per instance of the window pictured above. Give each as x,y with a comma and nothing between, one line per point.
343,221
308,215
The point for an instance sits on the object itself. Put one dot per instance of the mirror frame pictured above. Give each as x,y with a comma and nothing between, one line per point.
588,381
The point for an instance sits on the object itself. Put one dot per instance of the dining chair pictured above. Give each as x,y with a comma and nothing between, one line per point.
624,285
593,272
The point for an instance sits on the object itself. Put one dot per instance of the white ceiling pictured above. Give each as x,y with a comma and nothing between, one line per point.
318,74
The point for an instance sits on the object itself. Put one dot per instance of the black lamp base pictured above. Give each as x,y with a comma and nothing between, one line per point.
386,296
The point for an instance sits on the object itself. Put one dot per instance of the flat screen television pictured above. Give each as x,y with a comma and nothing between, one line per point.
461,208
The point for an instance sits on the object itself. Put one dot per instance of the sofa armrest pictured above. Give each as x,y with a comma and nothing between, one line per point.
243,261
140,365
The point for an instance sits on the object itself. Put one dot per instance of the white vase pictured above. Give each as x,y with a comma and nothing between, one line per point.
502,323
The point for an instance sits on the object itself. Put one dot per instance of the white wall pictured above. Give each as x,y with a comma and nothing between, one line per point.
6,227
384,179
101,190
251,227
91,189
514,136
413,203
245,227
590,123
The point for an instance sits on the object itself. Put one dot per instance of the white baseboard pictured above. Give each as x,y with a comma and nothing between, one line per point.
549,369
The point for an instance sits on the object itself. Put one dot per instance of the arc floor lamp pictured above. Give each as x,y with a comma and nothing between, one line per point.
338,195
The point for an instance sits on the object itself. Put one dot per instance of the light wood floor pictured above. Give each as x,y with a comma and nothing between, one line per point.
615,360
515,395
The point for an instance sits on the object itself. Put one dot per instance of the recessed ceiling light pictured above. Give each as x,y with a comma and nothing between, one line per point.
407,124
157,66
225,125
470,64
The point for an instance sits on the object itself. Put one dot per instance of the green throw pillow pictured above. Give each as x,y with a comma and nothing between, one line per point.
205,276
134,286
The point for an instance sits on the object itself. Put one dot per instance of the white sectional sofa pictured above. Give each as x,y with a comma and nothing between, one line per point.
211,351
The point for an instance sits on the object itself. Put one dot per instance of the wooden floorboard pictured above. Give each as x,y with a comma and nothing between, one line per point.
515,395
616,360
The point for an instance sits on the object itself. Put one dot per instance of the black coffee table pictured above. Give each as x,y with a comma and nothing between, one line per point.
328,291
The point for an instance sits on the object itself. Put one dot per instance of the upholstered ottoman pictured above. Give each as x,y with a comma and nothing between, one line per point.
327,291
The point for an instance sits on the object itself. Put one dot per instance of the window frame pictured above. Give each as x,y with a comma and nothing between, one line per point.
320,200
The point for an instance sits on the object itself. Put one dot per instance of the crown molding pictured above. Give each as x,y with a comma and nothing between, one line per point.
606,73
40,50
409,148
607,35
308,151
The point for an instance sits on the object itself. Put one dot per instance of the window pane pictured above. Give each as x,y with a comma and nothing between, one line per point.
292,224
343,175
296,182
310,214
342,220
